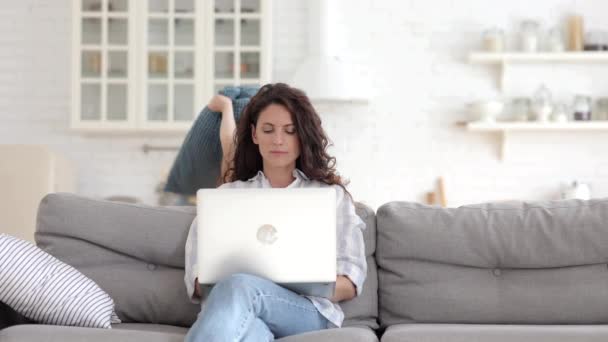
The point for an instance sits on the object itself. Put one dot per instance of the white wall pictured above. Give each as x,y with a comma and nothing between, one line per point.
392,149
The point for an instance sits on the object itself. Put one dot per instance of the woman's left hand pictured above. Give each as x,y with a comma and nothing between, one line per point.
345,289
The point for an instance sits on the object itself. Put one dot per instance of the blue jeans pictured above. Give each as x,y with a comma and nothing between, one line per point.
248,308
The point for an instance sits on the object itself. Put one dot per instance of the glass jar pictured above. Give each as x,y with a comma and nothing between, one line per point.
542,105
555,40
582,108
520,108
494,40
575,33
601,109
560,113
593,41
529,36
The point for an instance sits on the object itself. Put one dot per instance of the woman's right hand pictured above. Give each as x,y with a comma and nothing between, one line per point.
219,103
197,288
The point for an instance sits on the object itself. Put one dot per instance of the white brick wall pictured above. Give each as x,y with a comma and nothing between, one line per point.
392,149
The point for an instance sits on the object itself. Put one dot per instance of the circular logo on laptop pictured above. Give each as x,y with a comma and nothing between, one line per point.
267,234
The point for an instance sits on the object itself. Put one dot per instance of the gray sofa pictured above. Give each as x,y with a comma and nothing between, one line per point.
491,272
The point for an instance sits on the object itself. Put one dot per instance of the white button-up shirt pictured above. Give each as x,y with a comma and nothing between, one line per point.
350,249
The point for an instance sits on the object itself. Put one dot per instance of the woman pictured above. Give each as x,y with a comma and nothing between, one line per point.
279,143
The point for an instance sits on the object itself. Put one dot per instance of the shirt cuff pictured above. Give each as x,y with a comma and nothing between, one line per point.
354,272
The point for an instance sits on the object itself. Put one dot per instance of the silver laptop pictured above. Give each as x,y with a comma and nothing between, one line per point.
285,235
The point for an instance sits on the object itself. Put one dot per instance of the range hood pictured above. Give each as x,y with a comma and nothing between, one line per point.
323,75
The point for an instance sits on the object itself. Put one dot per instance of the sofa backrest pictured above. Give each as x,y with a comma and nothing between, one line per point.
133,252
515,262
363,310
136,254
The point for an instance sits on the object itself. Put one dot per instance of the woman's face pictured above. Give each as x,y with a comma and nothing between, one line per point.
277,137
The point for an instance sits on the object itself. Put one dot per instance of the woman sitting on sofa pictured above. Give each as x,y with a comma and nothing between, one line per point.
279,143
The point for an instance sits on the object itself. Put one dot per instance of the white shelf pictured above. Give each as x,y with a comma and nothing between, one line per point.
504,128
538,57
506,59
479,126
502,60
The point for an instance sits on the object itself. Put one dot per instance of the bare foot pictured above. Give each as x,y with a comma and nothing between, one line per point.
219,103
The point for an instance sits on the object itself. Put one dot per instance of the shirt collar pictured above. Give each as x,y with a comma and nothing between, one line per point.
297,174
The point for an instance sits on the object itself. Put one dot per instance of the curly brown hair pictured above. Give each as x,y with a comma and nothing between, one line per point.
314,161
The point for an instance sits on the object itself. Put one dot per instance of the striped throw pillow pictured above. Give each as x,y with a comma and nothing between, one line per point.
48,291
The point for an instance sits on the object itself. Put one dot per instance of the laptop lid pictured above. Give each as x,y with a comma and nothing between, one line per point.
285,235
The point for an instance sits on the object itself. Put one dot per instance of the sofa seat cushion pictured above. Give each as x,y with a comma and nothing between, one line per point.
119,333
494,333
350,334
134,332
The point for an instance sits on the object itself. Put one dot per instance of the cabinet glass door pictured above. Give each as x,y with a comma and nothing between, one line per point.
237,43
170,73
104,62
116,68
153,64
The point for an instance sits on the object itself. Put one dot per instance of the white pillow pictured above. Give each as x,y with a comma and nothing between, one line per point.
48,291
